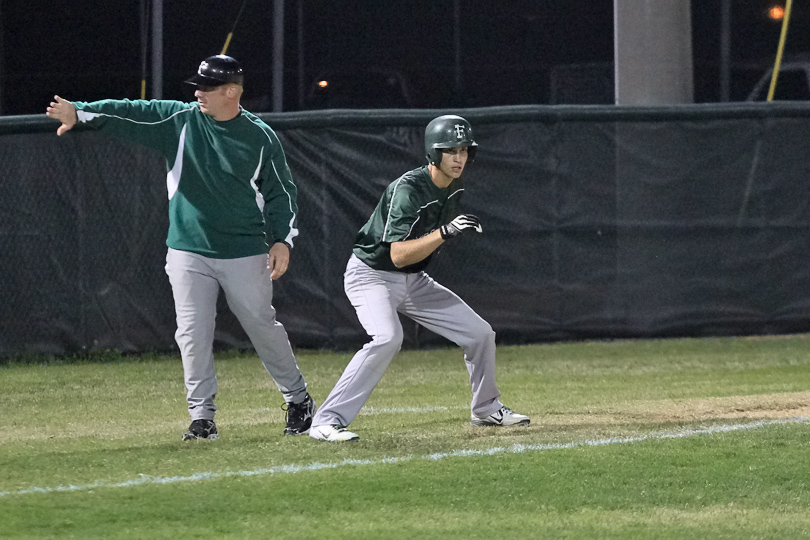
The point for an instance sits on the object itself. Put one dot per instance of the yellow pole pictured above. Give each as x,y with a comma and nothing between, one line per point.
233,28
780,50
227,42
143,88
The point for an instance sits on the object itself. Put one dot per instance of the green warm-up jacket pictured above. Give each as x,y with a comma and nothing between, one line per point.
230,190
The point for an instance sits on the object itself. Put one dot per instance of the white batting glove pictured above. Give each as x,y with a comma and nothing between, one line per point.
460,225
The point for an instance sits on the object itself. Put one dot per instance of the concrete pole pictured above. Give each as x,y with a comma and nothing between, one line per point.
653,52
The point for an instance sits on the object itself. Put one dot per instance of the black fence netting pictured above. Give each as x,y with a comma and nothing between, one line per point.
599,222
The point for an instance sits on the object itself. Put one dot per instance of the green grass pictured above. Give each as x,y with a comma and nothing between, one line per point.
108,419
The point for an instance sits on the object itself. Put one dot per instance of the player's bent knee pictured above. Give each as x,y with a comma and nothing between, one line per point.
390,342
480,335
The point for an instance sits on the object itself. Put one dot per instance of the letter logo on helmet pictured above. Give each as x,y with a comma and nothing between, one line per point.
448,131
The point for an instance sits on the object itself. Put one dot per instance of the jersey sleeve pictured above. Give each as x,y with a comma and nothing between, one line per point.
280,196
149,123
401,215
451,208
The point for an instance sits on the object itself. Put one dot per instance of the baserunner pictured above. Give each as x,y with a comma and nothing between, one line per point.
385,276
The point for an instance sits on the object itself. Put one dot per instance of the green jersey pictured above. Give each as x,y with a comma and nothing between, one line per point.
412,206
230,189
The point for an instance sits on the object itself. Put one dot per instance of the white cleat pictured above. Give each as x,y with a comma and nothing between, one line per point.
332,433
502,417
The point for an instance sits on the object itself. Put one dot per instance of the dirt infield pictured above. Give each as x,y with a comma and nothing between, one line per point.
662,411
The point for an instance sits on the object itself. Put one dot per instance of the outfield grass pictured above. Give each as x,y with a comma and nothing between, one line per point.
92,449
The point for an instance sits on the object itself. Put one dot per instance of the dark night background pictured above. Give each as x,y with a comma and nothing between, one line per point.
90,49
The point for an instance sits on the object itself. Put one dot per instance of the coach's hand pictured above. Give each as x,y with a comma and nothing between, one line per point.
64,111
279,259
460,225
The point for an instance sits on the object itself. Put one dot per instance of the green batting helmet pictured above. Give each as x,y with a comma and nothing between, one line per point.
448,131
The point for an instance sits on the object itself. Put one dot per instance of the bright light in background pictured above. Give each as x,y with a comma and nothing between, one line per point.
323,84
776,13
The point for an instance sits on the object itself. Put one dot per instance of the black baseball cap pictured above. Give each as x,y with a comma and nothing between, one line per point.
216,71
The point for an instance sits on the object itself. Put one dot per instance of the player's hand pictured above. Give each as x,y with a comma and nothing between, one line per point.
64,111
460,225
279,260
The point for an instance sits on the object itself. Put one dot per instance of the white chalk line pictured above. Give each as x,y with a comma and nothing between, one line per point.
513,449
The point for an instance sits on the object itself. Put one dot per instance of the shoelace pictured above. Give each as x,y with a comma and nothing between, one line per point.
297,411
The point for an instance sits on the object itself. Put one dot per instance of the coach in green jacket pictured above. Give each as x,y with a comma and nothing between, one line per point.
232,222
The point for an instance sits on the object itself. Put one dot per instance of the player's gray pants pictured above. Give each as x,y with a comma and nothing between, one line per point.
196,281
377,296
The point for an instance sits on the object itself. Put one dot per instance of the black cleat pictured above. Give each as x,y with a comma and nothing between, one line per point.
201,429
299,416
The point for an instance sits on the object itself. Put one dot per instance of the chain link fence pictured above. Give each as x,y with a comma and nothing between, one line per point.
599,222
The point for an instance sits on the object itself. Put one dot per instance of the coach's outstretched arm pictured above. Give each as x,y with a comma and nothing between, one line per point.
64,111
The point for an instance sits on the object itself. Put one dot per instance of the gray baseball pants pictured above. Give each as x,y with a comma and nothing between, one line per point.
378,296
246,282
